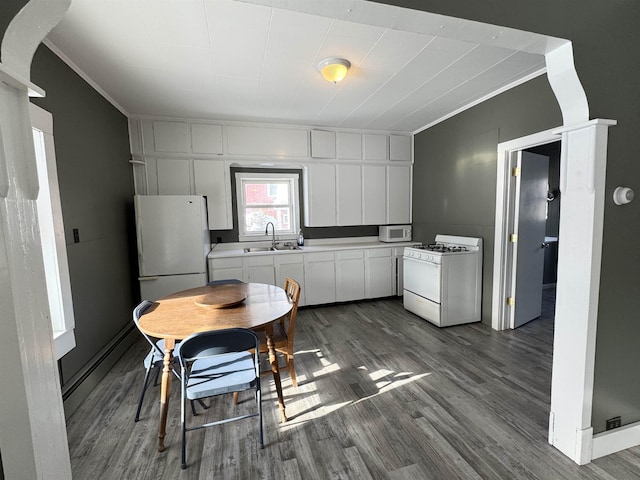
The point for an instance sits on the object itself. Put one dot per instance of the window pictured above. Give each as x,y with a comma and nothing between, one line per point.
54,249
267,197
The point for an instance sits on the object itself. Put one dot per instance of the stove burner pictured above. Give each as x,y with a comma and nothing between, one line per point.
439,247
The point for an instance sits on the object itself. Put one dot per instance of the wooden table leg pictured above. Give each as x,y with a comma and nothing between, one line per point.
275,369
165,391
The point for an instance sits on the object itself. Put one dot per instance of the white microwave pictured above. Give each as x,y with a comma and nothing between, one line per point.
394,233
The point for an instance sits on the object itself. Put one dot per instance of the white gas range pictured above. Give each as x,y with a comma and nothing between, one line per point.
443,280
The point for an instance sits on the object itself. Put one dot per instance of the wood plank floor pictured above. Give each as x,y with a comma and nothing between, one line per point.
382,395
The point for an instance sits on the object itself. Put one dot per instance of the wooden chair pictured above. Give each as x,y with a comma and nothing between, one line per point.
284,330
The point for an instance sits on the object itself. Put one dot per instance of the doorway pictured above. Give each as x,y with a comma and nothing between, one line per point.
537,201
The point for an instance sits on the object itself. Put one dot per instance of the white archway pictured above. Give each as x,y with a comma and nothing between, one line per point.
33,436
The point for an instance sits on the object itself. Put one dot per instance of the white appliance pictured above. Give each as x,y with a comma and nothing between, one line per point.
173,243
394,233
443,280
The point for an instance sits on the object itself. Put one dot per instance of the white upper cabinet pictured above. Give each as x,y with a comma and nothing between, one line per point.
349,194
375,146
267,141
174,176
374,185
351,178
323,144
399,148
349,145
171,137
206,138
212,180
320,185
398,194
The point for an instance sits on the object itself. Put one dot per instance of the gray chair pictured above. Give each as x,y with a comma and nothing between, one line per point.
155,357
216,363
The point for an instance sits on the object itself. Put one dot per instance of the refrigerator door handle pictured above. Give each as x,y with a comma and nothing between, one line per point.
148,279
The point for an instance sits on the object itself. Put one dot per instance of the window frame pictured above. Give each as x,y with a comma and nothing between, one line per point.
293,179
52,236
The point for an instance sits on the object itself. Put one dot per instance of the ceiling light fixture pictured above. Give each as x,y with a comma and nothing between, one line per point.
334,69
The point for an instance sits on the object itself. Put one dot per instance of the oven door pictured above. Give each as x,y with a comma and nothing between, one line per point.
422,278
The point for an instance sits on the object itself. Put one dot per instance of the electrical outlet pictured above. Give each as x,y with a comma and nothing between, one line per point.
76,236
614,422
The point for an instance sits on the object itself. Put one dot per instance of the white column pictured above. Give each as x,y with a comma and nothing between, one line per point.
582,184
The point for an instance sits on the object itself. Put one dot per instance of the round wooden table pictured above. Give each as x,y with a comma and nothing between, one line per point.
239,305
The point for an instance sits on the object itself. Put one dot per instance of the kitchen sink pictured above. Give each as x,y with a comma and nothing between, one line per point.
287,247
258,249
277,248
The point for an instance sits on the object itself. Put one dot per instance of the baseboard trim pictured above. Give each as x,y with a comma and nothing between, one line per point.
82,384
613,441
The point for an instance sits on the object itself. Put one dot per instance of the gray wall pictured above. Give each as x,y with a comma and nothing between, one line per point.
96,192
454,173
605,41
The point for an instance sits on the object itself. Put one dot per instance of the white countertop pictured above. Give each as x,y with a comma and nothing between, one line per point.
225,250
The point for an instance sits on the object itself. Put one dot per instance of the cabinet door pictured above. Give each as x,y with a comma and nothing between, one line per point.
400,148
174,176
323,144
374,181
212,180
259,269
291,266
280,142
399,194
350,275
319,278
349,145
349,194
171,137
379,273
320,209
206,138
375,146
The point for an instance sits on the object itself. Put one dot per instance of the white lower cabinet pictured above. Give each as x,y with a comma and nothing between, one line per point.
225,268
319,278
259,269
349,275
324,277
379,267
291,266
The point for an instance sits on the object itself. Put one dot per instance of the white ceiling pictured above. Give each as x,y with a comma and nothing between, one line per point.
257,60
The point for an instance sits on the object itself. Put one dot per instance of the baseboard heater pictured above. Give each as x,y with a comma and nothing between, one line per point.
82,383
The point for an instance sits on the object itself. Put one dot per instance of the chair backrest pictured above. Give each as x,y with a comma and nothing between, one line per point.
292,289
225,281
217,342
137,313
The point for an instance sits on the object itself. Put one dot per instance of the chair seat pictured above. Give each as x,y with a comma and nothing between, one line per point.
226,373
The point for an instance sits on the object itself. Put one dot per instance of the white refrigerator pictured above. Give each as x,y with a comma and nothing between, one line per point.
173,243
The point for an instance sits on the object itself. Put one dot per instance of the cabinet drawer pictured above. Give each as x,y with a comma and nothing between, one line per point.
259,260
378,252
318,257
349,254
226,262
288,259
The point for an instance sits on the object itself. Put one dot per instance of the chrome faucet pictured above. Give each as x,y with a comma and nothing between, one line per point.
273,233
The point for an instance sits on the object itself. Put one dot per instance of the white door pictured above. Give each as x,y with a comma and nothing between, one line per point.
531,219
